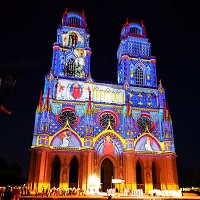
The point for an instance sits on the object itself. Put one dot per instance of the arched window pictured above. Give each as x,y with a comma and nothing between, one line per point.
136,30
55,173
73,173
155,177
139,76
70,68
139,176
74,20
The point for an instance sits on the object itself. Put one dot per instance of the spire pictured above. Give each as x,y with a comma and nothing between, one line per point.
168,116
160,84
89,79
40,102
89,108
126,84
165,113
47,103
83,12
160,87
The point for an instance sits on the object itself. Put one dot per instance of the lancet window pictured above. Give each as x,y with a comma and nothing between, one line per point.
139,76
71,66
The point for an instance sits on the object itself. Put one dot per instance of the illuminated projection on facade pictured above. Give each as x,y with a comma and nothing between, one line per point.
88,132
70,90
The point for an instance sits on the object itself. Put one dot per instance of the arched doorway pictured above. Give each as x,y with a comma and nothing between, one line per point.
106,174
155,177
55,173
73,173
139,177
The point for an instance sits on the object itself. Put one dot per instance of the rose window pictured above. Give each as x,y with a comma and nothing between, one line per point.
104,119
68,114
144,122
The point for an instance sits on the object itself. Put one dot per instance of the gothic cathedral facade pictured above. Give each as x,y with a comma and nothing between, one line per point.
88,133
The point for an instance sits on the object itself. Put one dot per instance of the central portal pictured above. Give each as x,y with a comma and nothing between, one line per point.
106,174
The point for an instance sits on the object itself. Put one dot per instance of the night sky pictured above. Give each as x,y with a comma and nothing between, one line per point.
29,29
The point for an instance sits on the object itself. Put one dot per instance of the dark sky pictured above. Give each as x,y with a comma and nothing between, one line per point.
29,29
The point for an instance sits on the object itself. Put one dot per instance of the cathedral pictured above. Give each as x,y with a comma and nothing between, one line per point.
95,135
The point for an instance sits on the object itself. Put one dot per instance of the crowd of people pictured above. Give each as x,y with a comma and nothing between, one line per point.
127,192
10,193
62,192
165,193
15,192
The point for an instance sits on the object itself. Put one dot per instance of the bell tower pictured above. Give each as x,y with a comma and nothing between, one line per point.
71,52
135,63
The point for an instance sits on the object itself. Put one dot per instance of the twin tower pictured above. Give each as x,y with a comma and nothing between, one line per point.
90,134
